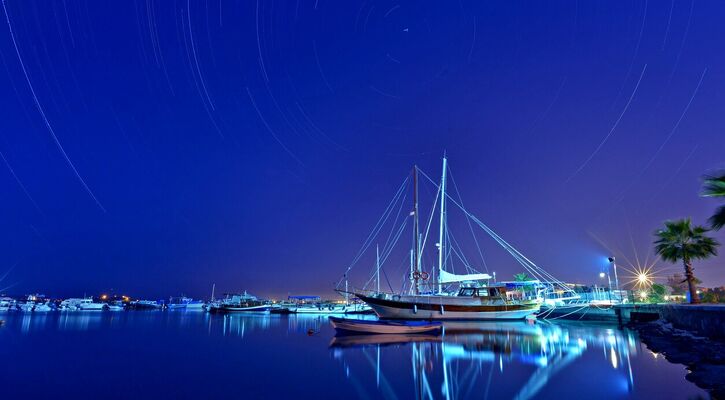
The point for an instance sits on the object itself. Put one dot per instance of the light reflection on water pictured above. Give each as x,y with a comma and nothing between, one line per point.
493,360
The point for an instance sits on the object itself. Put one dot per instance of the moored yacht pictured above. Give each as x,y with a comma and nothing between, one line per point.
42,307
184,303
70,304
116,305
243,302
146,305
87,304
436,292
469,303
7,304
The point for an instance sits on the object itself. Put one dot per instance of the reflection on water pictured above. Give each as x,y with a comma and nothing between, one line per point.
471,359
491,360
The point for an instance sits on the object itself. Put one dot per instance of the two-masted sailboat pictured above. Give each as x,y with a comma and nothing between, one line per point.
440,294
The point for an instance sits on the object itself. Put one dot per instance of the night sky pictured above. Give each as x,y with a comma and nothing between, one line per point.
154,148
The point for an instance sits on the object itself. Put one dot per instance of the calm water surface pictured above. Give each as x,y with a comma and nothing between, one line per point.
157,354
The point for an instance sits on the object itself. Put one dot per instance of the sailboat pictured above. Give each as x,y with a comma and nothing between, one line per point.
478,296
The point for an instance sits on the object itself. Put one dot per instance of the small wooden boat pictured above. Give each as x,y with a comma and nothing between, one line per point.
387,326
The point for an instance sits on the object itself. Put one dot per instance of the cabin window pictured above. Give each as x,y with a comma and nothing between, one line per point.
467,292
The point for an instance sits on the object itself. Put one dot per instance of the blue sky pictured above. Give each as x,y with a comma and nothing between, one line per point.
254,144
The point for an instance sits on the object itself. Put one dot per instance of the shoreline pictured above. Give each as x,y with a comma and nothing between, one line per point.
704,357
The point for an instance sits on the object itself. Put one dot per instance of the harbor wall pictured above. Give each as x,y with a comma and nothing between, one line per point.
704,319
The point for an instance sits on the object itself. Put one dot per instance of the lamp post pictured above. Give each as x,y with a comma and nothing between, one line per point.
616,279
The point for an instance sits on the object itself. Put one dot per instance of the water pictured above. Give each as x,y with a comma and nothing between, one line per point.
178,354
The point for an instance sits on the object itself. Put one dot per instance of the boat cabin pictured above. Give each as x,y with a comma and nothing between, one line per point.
494,291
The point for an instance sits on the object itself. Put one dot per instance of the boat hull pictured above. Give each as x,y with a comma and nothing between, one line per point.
397,309
232,309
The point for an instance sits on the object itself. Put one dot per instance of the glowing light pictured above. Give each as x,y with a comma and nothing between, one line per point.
601,274
104,297
643,294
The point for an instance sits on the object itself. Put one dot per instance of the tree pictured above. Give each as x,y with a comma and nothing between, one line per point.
522,277
678,283
680,241
715,187
657,293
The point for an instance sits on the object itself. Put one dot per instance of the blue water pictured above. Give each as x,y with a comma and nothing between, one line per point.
194,355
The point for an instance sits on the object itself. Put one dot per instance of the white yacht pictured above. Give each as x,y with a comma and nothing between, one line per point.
69,304
116,306
7,304
30,303
42,307
435,291
87,304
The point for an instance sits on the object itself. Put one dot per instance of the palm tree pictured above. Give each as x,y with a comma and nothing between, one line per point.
522,277
681,241
715,187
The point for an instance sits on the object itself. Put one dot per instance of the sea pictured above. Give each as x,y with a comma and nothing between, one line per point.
177,354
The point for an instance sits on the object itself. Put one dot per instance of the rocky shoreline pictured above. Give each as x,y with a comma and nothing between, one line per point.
704,357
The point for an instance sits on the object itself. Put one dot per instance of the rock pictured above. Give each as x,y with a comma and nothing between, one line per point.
705,358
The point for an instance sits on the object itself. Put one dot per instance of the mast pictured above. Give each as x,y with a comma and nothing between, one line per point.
377,266
441,247
416,272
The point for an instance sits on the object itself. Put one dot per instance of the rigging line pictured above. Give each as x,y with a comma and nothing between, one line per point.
377,228
459,251
518,255
468,220
385,256
616,123
430,221
395,221
381,222
396,239
42,112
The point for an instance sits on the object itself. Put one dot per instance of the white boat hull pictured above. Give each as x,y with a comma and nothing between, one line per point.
91,307
447,308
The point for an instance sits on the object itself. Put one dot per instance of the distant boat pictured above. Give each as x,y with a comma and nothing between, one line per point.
31,302
382,327
146,305
70,304
242,302
115,306
42,307
321,308
87,304
184,303
7,304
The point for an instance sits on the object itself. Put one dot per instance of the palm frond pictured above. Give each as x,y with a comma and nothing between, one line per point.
717,221
714,186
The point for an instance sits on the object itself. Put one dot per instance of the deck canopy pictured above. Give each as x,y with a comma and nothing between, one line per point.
447,277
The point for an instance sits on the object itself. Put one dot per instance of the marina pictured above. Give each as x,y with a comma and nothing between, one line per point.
362,200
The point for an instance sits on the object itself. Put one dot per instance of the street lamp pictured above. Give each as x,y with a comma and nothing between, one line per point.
614,266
